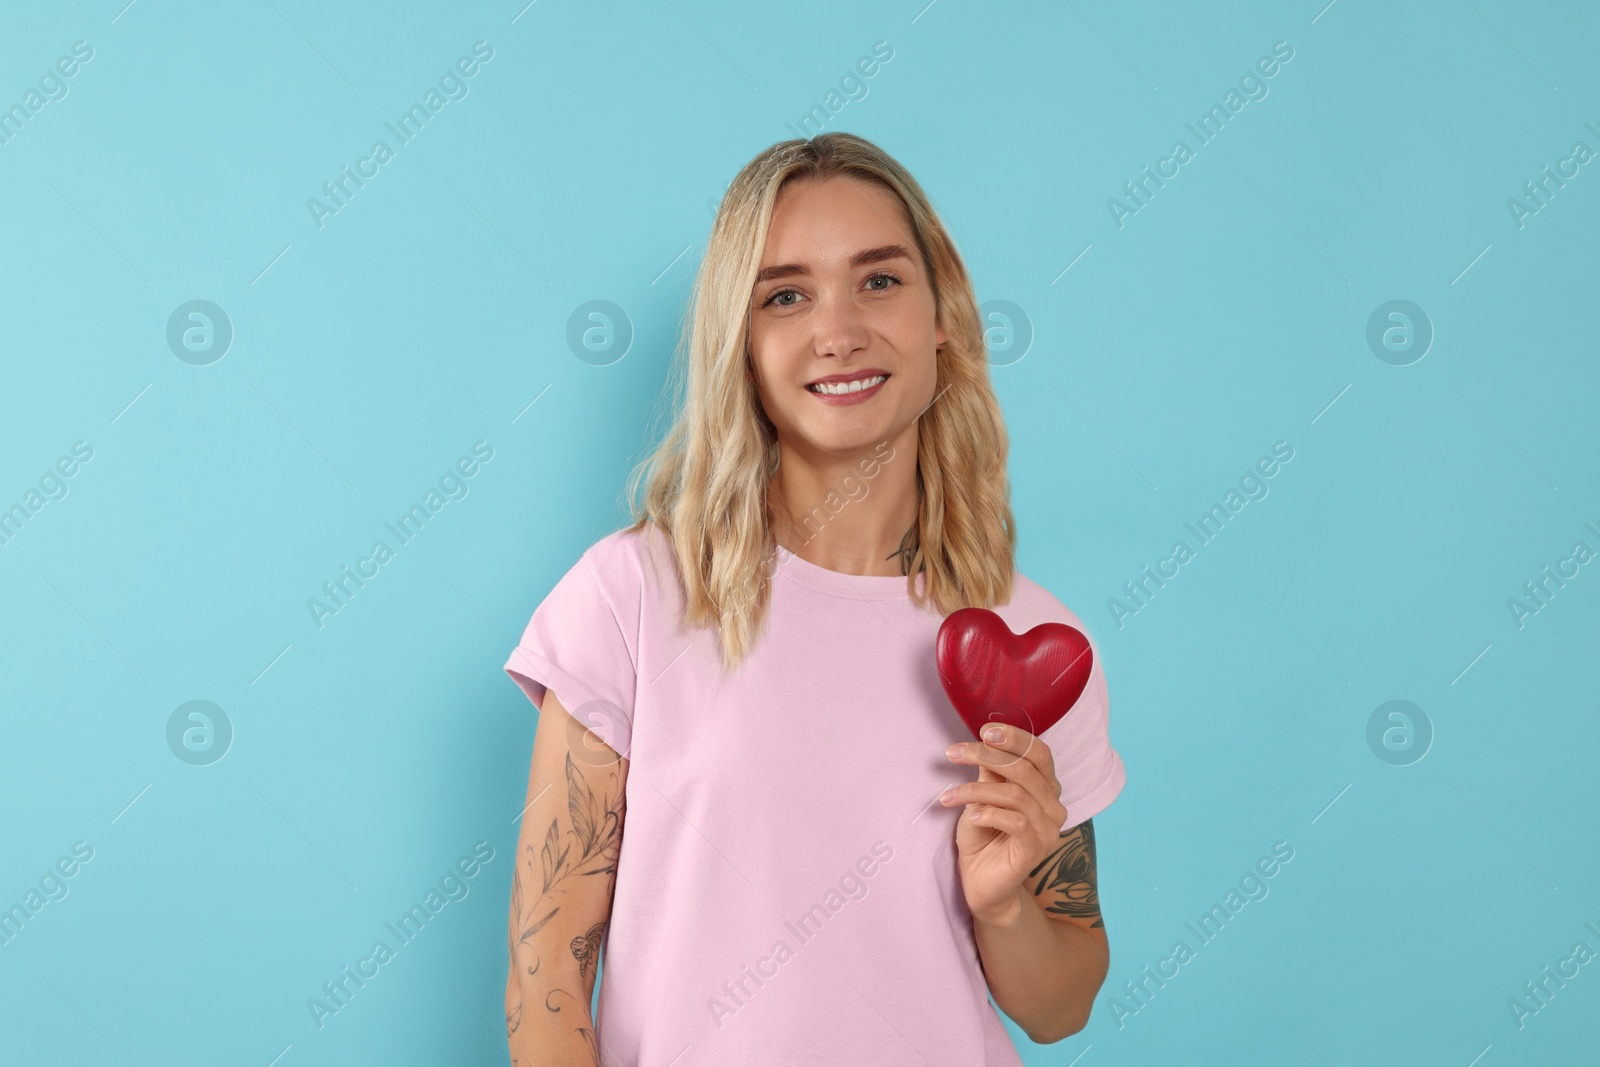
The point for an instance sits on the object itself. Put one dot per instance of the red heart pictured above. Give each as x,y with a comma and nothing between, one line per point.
993,675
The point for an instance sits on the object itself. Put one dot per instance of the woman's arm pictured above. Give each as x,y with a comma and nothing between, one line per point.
1046,957
561,890
1030,886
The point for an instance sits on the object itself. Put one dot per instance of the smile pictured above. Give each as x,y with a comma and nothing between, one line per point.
856,388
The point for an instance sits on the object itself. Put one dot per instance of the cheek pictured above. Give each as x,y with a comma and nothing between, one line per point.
911,323
771,355
769,370
914,334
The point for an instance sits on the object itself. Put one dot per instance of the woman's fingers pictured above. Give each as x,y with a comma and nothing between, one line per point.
1013,747
1008,796
1002,819
1019,757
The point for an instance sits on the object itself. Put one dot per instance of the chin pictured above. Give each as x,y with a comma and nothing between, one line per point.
863,440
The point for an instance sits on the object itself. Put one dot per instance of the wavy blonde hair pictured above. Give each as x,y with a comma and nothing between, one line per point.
708,478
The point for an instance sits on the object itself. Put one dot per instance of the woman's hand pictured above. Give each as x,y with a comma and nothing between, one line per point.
1012,820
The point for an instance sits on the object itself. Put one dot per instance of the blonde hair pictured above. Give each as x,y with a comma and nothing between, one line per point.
709,476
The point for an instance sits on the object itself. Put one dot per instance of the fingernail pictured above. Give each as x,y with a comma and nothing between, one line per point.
949,791
953,752
994,733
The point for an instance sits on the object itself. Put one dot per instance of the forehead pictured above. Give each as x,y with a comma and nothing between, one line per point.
826,222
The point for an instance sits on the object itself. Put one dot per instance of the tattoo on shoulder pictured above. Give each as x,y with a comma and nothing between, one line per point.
1067,876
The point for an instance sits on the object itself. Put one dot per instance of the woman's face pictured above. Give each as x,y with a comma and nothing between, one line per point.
842,294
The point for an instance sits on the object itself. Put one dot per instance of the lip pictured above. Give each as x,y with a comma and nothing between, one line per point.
852,398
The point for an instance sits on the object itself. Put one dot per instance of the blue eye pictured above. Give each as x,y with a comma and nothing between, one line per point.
885,275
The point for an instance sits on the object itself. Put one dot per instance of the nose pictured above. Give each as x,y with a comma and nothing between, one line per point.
840,326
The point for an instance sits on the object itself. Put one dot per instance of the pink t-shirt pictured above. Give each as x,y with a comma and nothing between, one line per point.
787,890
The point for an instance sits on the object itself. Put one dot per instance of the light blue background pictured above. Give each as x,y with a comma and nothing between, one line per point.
1229,313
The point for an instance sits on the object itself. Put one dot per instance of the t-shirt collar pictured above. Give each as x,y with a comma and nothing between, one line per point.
857,586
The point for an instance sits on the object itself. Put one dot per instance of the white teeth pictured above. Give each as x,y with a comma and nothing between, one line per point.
842,388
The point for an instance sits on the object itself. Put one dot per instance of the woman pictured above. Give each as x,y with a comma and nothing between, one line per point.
747,671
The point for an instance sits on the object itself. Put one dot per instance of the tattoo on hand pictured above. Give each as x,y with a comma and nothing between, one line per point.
1070,875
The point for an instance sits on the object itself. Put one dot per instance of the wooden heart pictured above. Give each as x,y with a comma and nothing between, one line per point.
1027,680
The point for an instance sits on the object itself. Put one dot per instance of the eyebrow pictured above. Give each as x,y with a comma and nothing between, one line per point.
860,259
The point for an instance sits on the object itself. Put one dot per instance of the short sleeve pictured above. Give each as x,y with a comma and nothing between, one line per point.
578,644
1089,769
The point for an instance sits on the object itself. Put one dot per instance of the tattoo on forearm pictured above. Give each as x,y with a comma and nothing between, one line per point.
596,832
1069,875
586,949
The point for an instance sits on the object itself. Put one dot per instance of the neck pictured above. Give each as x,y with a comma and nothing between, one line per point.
855,513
